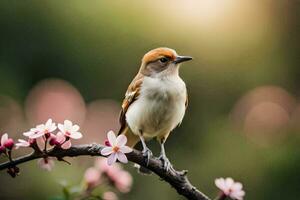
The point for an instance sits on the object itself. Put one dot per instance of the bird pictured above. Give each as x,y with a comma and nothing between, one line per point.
155,101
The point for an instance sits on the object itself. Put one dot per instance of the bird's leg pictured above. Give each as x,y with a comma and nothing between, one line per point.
146,151
163,157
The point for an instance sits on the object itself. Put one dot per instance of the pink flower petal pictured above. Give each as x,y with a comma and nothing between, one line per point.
40,127
75,128
111,138
237,186
101,165
68,125
229,182
4,138
48,123
52,127
112,159
37,135
121,140
66,145
220,183
60,137
22,143
124,181
75,135
61,127
92,177
126,149
28,133
46,163
121,157
237,195
107,151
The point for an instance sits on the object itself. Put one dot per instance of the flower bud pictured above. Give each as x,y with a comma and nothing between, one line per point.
32,141
47,135
9,143
53,141
2,149
106,142
92,177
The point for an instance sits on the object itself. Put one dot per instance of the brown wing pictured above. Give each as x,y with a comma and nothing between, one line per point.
131,95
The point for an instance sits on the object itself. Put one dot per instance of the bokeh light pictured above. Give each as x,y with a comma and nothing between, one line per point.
56,99
264,112
101,117
11,116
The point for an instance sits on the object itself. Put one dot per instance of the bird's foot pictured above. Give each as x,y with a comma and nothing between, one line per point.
147,154
166,163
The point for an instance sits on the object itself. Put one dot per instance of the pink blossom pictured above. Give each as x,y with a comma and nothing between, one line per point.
117,149
6,142
53,141
230,188
70,130
31,132
119,177
109,196
92,177
60,140
111,171
101,165
46,163
41,130
123,182
24,143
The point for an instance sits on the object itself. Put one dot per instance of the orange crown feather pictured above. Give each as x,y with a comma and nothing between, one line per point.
159,53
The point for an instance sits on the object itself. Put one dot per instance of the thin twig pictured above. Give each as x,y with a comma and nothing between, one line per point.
177,179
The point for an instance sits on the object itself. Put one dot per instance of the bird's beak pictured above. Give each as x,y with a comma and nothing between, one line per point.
180,59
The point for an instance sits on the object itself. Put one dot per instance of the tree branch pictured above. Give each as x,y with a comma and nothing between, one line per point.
177,179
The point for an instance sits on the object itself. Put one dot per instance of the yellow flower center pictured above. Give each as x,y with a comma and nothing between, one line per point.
116,149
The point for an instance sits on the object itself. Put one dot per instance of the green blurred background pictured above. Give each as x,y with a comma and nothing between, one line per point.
74,59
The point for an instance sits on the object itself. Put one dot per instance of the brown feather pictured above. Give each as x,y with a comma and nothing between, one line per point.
132,139
131,95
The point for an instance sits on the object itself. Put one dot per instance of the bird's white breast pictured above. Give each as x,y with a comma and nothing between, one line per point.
160,106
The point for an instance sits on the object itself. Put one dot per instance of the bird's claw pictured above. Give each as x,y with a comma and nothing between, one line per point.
166,163
147,154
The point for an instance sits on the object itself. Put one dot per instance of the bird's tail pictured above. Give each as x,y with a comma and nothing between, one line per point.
132,140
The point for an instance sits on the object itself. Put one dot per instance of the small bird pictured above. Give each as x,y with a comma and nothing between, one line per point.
155,101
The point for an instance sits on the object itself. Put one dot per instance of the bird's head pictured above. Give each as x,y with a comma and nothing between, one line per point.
161,62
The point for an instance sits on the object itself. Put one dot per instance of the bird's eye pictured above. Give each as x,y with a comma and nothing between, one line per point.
164,60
